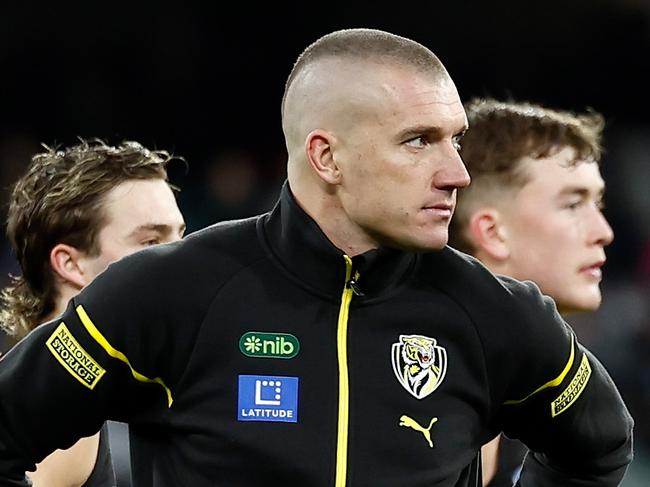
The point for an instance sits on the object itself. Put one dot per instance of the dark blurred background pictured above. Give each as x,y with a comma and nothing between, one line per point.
207,84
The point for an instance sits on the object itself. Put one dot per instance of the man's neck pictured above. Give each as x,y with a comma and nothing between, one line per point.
64,295
330,216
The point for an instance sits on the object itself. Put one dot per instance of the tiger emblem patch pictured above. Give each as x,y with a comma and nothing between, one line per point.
419,364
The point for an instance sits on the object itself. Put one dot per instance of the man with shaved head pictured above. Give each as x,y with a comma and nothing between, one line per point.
336,340
372,124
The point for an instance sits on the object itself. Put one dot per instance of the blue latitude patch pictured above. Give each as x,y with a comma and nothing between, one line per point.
268,398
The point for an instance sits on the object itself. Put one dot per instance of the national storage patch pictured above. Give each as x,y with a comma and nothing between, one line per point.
74,358
574,389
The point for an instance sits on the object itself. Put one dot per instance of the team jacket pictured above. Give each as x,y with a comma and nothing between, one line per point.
255,353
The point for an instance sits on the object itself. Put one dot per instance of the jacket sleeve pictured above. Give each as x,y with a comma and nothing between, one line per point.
561,402
116,353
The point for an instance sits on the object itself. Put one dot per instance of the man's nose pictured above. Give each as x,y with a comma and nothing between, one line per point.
453,174
601,233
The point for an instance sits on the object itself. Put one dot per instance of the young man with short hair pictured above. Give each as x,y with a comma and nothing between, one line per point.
533,211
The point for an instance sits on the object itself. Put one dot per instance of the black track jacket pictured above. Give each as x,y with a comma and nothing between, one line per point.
255,353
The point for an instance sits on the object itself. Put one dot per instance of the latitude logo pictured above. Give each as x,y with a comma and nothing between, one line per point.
258,344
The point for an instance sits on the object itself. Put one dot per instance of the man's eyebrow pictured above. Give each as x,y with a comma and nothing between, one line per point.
161,228
462,131
582,191
430,130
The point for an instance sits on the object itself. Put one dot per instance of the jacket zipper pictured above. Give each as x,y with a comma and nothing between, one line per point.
349,289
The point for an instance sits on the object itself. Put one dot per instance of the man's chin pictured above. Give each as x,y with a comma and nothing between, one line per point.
421,247
429,242
584,304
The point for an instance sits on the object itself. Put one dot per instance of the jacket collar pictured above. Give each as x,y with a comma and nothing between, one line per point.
303,249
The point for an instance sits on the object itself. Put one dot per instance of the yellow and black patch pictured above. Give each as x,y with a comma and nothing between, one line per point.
74,358
574,389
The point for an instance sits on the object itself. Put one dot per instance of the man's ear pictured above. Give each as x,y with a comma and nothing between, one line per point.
66,262
318,147
488,232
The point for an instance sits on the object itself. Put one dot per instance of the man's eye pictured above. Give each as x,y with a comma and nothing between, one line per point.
151,241
456,142
574,205
417,142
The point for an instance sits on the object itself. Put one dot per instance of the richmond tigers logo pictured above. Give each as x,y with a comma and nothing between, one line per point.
419,364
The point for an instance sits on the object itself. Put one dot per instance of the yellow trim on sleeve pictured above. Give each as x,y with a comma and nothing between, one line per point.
553,383
99,338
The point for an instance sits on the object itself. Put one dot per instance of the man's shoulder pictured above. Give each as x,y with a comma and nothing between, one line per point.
486,297
223,239
226,231
514,321
180,277
218,250
455,272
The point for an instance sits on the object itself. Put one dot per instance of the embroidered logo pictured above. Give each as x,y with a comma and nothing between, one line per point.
74,358
413,424
574,389
419,364
268,398
269,345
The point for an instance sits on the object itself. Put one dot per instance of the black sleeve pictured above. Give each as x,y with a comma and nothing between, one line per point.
561,402
117,352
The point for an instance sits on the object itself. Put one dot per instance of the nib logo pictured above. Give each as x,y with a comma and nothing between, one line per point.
269,345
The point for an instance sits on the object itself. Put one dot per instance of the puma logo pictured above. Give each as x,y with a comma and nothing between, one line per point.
411,423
